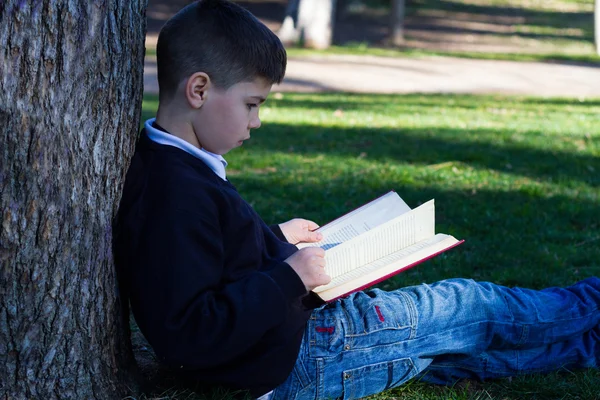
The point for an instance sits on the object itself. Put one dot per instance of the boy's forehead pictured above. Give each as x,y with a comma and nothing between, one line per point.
258,87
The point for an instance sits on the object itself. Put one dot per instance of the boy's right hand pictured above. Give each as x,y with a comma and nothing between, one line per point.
309,264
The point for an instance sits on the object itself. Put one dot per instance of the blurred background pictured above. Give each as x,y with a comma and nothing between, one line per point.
404,37
560,27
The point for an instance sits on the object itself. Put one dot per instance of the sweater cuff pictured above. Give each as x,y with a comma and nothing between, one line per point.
288,280
276,229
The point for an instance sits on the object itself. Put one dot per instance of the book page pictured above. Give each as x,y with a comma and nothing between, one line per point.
360,220
382,262
398,233
387,266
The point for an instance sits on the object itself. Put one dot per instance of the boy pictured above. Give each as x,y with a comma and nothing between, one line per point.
227,300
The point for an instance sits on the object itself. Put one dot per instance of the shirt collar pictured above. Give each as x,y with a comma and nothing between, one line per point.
216,162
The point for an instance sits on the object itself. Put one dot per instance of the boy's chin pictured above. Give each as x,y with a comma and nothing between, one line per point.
233,147
240,143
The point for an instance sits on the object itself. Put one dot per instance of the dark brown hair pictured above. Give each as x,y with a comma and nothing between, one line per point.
221,39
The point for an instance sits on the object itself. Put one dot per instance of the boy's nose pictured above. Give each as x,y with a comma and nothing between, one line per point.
255,123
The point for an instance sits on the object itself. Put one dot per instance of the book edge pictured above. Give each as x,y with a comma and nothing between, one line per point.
387,276
352,242
356,209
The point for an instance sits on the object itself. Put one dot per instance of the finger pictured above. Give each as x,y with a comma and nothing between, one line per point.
313,236
324,279
319,262
311,225
314,251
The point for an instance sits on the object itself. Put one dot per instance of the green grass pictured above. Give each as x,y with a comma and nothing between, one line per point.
518,178
362,49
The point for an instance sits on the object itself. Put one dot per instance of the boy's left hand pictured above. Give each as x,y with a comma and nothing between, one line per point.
300,230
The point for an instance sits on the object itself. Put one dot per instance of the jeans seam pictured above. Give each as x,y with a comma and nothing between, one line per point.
349,325
524,336
319,365
301,374
414,317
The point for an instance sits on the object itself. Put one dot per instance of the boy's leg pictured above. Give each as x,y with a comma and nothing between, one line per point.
375,340
580,352
467,317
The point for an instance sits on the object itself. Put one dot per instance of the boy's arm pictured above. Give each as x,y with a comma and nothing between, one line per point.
276,229
192,313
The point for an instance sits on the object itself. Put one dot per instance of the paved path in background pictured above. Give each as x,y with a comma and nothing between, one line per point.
369,74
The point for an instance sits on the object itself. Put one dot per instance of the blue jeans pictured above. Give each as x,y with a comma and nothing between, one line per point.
376,340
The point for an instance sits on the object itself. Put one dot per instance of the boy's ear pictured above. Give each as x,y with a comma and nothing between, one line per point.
196,89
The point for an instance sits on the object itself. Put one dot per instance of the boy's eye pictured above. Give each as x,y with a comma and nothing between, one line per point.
251,106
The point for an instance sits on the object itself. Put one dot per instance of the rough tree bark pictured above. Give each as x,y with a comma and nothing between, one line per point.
71,81
308,23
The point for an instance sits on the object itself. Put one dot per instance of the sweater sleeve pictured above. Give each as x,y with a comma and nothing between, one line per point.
190,313
276,229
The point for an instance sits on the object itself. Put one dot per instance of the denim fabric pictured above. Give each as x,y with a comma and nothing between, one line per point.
372,341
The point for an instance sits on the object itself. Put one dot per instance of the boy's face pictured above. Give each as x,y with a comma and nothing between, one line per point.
225,119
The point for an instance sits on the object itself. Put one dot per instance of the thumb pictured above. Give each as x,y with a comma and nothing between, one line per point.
311,225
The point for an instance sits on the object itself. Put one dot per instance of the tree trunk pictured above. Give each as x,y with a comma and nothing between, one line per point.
597,26
71,81
397,22
308,23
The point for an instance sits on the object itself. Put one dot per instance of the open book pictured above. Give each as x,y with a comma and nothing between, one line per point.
377,241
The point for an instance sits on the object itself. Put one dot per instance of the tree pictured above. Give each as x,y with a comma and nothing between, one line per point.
308,23
71,86
397,22
597,26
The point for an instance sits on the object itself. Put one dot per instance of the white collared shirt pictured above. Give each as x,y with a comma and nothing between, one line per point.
216,162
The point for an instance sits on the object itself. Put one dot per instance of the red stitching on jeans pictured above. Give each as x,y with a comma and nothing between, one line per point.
379,314
322,329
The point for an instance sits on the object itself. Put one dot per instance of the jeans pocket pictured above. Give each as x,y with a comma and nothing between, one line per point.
376,378
325,333
379,317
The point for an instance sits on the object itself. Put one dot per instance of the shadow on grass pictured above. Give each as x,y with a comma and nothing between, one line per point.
159,383
442,18
512,238
427,146
556,19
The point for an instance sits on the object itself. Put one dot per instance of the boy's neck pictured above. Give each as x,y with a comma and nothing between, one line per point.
176,124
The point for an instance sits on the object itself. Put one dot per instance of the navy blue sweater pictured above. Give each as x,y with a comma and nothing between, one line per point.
205,275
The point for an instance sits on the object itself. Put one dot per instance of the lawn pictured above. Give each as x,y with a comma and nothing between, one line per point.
518,178
518,30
